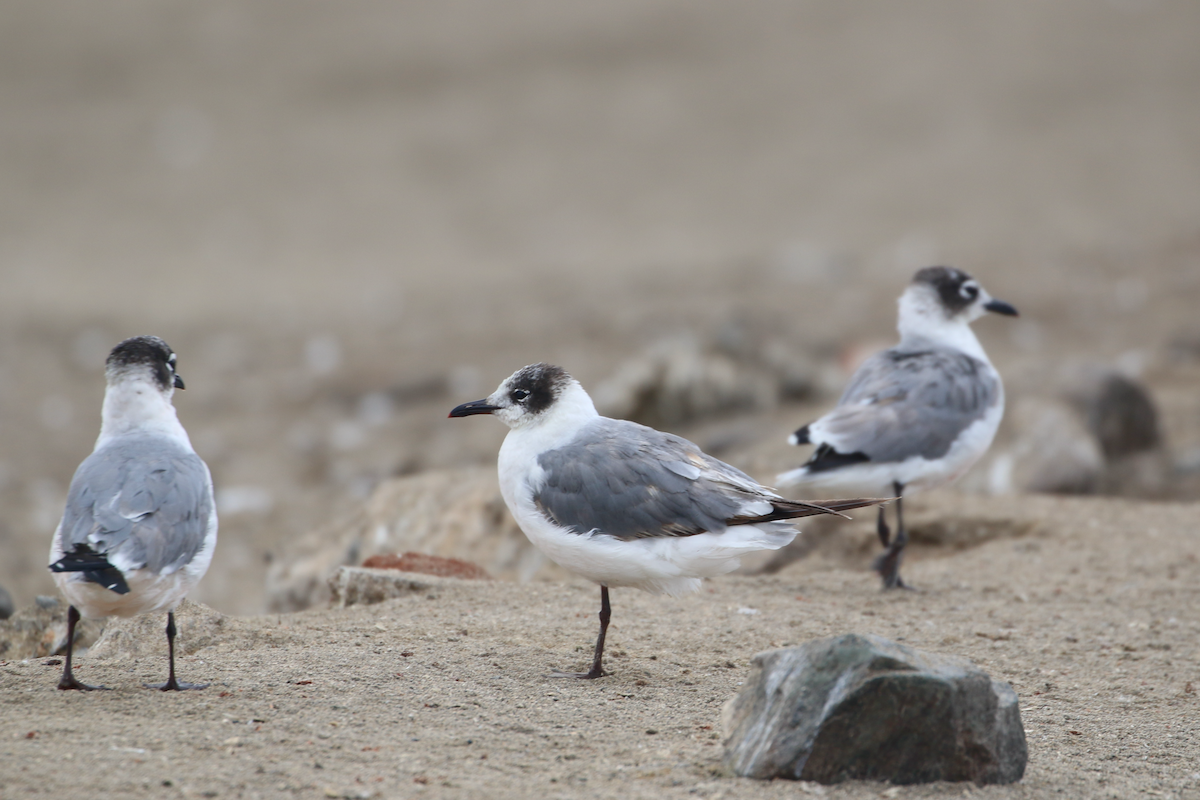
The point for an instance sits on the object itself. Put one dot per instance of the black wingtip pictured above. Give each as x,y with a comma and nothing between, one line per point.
794,509
825,458
835,507
110,579
95,568
800,437
838,506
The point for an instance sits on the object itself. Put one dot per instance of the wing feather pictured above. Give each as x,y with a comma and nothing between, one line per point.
143,501
632,482
905,403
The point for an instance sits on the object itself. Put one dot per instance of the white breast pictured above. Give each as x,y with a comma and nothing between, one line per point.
670,565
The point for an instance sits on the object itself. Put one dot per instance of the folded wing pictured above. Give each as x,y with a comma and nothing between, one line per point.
902,404
631,482
140,502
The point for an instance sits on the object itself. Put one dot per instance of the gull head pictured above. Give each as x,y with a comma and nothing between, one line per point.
531,396
144,359
946,294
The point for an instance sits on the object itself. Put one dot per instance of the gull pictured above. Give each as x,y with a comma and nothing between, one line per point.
915,416
622,504
140,524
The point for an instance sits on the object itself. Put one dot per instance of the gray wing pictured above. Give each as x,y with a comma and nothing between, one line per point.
908,403
633,482
143,497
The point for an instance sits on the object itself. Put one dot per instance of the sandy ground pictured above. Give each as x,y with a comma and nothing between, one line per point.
1089,611
347,218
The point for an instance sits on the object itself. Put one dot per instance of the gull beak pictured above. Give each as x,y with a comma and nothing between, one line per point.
473,407
1000,307
179,382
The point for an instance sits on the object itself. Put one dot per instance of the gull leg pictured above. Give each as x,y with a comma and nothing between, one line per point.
67,681
597,671
888,564
173,685
881,528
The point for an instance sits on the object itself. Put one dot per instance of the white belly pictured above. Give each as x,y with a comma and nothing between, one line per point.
670,565
148,593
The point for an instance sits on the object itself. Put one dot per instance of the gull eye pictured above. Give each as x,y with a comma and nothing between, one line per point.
969,291
519,395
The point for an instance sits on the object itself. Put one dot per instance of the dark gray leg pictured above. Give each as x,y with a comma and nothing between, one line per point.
173,685
888,564
597,671
881,527
67,681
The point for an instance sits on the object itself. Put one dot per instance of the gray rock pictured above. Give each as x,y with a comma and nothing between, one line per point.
862,707
6,604
1054,452
1118,411
40,630
449,513
740,367
1099,436
680,380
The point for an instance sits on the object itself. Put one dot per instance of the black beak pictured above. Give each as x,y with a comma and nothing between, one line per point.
1000,307
179,382
473,407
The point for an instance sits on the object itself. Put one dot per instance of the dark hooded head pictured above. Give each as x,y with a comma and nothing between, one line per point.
536,387
145,353
528,394
959,294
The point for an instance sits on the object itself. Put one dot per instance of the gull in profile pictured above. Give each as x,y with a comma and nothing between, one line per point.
140,524
915,416
622,504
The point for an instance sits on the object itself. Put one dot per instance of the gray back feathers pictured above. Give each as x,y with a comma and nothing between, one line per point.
910,402
631,482
144,496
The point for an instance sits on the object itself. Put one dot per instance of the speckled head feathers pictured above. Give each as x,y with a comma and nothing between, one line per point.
955,289
537,386
145,352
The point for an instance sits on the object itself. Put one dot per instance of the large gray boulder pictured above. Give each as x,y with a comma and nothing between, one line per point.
862,707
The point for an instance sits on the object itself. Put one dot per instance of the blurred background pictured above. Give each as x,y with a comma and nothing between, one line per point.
348,217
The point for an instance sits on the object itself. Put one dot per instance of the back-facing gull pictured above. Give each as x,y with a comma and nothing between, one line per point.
140,524
622,504
915,416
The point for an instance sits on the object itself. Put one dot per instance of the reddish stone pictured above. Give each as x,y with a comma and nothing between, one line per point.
427,565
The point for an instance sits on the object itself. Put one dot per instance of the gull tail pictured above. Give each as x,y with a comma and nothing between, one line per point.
800,437
94,566
791,509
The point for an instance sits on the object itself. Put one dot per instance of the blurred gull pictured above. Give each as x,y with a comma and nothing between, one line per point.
139,528
622,504
915,416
